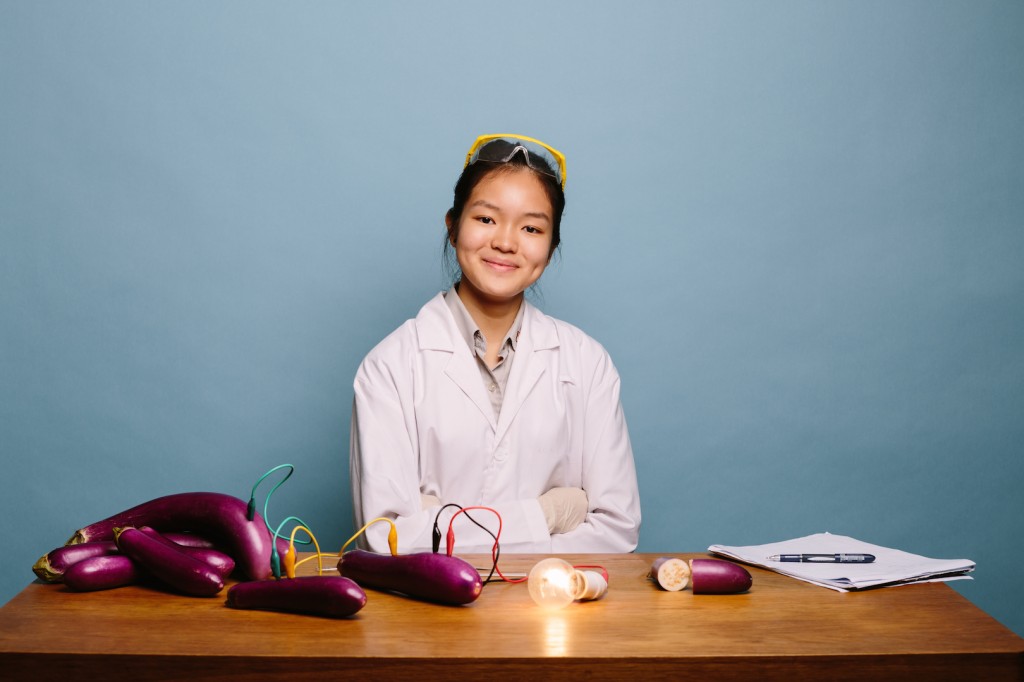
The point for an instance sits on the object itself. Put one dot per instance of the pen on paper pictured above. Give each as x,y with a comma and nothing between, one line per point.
825,558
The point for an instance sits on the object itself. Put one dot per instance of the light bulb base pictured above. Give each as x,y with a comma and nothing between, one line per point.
588,585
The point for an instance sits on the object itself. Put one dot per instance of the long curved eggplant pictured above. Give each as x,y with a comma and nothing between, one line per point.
169,564
322,595
424,575
222,518
217,560
189,540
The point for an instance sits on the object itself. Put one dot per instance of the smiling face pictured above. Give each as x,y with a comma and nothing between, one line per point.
503,239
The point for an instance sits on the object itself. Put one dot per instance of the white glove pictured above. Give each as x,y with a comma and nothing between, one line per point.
428,501
564,508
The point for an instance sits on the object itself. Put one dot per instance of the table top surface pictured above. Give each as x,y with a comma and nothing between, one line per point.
779,617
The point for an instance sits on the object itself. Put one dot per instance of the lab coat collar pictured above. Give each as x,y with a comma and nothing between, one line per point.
435,328
436,331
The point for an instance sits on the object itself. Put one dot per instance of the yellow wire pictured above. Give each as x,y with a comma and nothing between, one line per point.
392,543
392,536
318,555
311,557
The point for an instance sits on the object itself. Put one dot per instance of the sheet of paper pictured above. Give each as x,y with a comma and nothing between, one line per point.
891,566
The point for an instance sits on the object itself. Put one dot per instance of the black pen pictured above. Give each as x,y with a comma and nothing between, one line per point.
825,558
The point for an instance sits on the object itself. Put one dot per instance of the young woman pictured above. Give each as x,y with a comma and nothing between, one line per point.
484,400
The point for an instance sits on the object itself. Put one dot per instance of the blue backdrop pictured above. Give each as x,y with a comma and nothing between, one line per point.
798,227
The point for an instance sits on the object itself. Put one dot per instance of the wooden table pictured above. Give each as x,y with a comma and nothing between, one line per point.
781,628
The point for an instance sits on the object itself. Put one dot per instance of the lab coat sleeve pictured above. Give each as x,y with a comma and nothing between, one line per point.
609,473
383,464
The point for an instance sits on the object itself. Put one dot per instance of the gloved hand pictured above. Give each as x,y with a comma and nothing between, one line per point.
564,508
428,501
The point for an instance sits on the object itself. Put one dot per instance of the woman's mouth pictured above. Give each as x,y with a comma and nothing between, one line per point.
500,265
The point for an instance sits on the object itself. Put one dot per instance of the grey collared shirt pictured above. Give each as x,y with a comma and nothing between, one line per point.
495,378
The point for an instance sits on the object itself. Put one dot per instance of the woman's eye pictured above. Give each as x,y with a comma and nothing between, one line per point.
486,220
532,230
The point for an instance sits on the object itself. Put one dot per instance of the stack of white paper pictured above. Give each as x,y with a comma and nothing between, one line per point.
891,566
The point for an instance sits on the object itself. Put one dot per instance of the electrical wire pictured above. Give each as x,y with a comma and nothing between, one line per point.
266,500
291,553
437,531
275,557
289,560
495,548
604,571
392,536
451,536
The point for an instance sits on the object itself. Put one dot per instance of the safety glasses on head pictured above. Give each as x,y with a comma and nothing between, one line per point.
501,148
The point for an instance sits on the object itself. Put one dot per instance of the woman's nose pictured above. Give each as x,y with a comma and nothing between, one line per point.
503,239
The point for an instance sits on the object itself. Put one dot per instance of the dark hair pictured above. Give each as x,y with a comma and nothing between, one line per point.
475,172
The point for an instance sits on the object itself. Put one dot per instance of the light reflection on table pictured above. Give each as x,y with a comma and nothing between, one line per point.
556,634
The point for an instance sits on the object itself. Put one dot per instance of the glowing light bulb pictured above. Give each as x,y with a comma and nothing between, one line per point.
554,584
551,583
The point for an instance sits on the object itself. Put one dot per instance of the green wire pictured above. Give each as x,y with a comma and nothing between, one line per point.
299,522
266,502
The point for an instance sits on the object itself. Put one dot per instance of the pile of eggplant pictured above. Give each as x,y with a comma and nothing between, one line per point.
191,542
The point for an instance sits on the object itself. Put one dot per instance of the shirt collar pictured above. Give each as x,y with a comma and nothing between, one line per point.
468,328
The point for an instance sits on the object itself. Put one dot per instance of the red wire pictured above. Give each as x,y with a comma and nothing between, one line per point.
603,570
494,547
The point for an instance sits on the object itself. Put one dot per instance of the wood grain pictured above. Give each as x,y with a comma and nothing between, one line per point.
780,628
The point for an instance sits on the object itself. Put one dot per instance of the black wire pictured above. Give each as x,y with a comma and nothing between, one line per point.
437,537
494,566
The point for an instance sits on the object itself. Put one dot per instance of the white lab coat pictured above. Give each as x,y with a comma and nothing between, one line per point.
422,423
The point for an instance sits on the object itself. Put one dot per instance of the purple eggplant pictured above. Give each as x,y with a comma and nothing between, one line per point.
102,572
217,560
713,576
189,540
169,564
322,595
433,577
221,518
52,566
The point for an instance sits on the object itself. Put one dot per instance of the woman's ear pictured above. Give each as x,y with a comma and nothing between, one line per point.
448,224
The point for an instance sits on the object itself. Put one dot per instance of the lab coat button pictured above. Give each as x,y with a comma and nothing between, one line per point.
492,388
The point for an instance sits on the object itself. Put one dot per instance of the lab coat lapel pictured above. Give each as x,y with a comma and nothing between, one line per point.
463,371
537,339
436,331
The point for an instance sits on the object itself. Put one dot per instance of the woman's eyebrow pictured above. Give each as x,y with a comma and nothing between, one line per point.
539,215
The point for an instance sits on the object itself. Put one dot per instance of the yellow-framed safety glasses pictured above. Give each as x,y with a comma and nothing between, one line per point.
553,161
